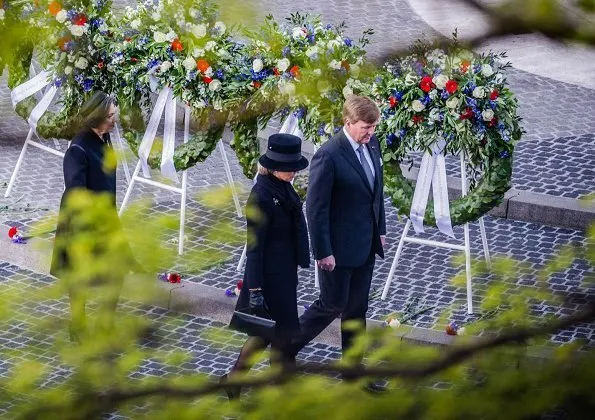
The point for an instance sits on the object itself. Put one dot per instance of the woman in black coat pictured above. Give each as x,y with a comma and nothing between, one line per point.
277,244
88,166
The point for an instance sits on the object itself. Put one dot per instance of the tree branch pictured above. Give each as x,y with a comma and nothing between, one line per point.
451,358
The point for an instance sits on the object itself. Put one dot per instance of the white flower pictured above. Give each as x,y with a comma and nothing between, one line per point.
461,331
317,72
77,30
394,323
298,33
135,24
215,85
257,65
103,27
440,81
410,79
156,16
171,35
479,92
487,115
2,14
354,69
209,71
347,91
61,16
333,44
218,105
452,102
193,12
328,128
199,30
67,70
359,61
211,45
220,27
498,78
417,105
81,63
70,58
486,70
159,36
189,64
165,66
287,88
283,64
335,65
434,114
223,53
433,94
312,52
197,52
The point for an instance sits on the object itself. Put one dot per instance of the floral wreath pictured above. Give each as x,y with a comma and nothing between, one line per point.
459,96
179,45
73,50
302,67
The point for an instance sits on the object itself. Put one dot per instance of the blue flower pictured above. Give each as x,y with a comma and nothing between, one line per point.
444,94
472,102
348,42
219,74
299,113
96,22
397,94
320,131
152,63
336,130
504,154
58,82
79,78
328,26
87,85
402,132
71,14
437,71
391,138
311,38
378,79
286,51
493,104
426,100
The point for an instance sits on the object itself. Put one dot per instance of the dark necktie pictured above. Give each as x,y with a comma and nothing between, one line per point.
366,166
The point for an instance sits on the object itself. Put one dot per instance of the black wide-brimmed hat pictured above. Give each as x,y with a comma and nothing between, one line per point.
284,153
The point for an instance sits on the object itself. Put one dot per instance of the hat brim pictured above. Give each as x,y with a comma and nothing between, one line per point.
274,165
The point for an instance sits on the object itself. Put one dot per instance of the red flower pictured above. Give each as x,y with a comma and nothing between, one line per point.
494,95
426,83
79,20
127,39
12,231
100,64
393,101
493,122
295,71
276,71
176,45
134,59
240,284
202,65
451,86
450,330
207,80
417,119
174,278
467,114
54,7
345,64
256,84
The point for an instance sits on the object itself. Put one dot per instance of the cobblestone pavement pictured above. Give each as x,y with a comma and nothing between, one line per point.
193,335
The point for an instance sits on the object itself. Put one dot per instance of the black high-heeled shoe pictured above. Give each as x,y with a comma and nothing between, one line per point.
232,391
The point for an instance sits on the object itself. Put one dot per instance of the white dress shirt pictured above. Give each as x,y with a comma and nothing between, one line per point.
355,146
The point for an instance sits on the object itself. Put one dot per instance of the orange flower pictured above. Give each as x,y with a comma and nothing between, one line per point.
465,66
54,7
176,45
63,41
295,71
256,84
202,65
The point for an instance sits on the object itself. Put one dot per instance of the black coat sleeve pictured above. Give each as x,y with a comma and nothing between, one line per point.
258,214
75,168
318,203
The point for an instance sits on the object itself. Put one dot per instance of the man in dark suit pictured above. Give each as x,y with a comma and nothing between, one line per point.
346,220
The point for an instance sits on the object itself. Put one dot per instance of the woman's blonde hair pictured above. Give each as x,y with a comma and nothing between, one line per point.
262,170
360,108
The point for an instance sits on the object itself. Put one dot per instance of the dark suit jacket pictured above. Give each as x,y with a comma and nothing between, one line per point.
345,216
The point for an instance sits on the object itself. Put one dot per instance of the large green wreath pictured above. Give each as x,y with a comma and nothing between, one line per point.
461,97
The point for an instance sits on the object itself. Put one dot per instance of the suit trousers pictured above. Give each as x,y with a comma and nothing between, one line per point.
343,291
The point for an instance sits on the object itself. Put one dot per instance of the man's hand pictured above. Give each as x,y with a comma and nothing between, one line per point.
327,263
383,241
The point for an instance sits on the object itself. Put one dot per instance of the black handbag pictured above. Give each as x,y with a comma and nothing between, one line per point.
253,325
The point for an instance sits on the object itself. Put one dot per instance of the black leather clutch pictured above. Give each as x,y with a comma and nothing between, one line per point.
253,325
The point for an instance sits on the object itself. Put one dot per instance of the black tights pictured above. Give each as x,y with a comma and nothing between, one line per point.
256,344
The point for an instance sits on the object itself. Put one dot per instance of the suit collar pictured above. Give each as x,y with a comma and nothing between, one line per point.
350,156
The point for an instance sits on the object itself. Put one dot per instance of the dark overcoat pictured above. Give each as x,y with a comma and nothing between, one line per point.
84,168
277,244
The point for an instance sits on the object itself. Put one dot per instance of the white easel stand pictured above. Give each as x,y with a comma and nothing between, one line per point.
182,190
243,257
466,247
57,152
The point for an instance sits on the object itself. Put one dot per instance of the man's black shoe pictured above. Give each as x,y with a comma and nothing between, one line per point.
374,388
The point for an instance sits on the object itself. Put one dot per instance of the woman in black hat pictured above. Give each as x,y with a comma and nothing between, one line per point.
277,244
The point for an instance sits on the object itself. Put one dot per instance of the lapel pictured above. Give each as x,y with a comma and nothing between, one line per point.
375,155
350,156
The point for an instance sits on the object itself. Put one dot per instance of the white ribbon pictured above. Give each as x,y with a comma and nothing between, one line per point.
291,126
432,173
120,143
149,137
168,168
30,87
41,107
